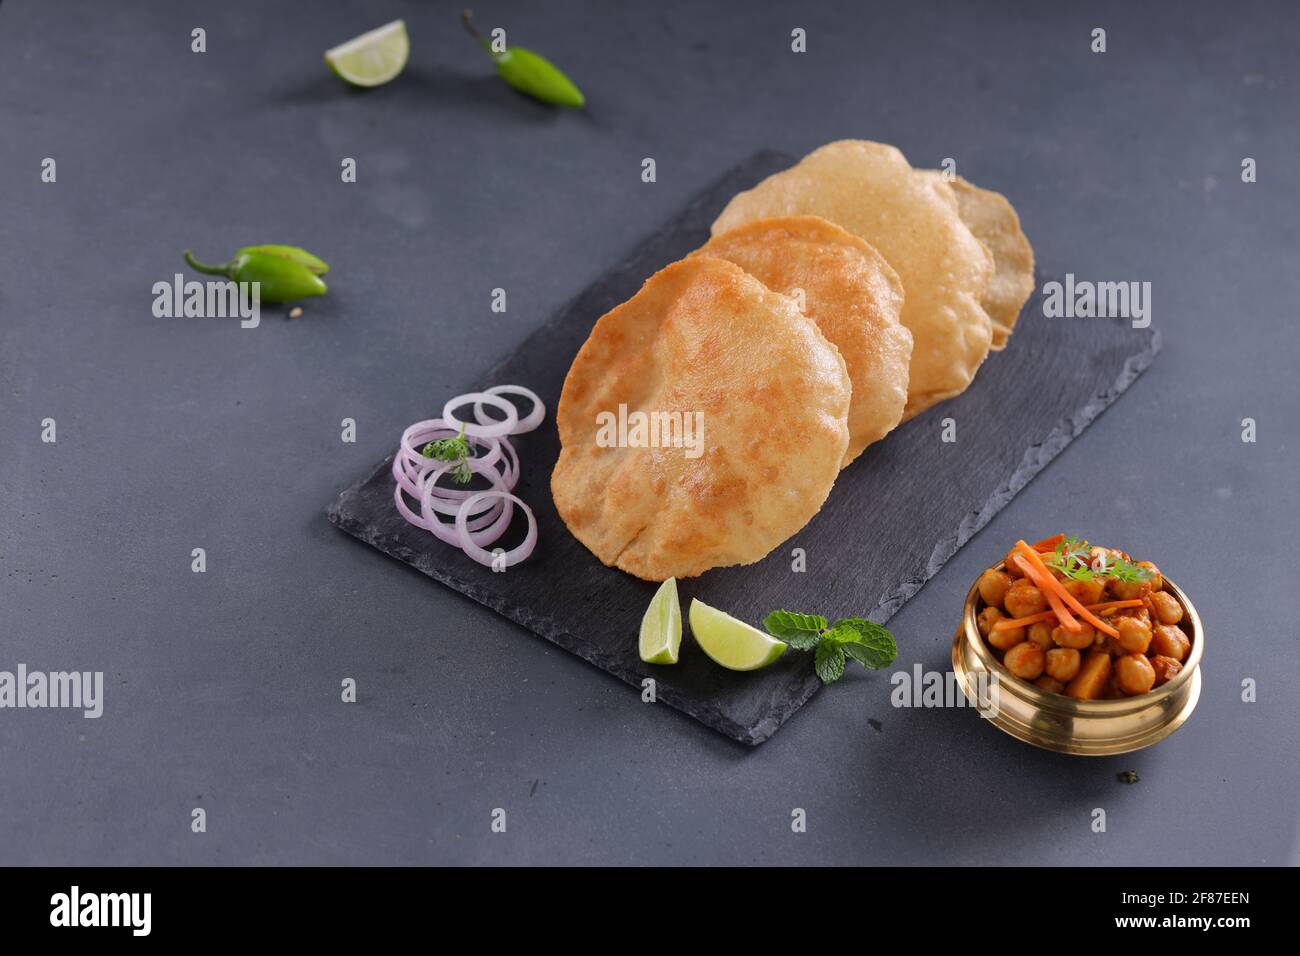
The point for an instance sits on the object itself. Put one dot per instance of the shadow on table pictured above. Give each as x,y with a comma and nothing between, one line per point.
979,793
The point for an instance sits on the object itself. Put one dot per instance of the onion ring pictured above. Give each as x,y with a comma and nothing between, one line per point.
479,517
506,558
493,519
439,529
497,524
495,429
442,505
526,424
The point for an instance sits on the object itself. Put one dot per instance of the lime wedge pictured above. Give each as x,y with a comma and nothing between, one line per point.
373,58
732,643
661,628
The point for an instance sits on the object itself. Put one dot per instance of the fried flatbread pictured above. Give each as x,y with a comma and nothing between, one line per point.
993,220
853,295
872,191
701,336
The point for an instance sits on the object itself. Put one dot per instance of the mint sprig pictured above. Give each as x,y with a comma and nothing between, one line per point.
868,643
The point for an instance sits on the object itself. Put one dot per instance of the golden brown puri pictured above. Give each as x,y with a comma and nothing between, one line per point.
701,336
993,220
852,294
872,191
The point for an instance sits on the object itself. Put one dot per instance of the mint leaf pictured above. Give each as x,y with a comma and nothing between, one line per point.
803,640
829,661
869,656
867,642
800,631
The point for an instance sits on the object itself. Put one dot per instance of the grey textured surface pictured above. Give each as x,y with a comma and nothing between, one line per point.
223,688
892,520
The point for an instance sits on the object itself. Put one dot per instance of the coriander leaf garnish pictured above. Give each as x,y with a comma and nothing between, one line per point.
868,643
454,450
800,631
1073,558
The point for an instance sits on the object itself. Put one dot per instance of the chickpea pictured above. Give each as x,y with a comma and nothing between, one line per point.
1025,660
1005,638
1078,640
1023,599
1134,636
1166,669
1128,590
1063,663
1167,609
993,586
1088,592
1139,613
1050,684
986,619
1157,581
1040,632
1013,569
1170,641
1134,674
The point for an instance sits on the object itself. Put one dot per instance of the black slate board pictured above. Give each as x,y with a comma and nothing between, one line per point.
892,520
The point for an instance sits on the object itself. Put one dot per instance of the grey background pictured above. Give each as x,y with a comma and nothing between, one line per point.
223,688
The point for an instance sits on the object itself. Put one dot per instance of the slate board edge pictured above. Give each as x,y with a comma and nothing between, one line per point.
546,628
1036,458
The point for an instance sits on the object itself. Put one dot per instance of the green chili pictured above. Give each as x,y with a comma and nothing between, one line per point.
294,254
528,72
281,279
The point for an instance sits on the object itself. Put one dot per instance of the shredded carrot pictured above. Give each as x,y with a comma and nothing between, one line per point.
1041,579
1107,606
1049,544
1031,557
1007,623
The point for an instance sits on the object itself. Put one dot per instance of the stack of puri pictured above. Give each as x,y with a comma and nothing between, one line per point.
834,300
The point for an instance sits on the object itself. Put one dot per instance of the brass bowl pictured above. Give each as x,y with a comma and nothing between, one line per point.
1090,727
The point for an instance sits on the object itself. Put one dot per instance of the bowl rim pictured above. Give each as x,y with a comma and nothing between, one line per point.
1062,703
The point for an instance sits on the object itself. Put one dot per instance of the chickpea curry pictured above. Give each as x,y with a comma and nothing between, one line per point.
1083,621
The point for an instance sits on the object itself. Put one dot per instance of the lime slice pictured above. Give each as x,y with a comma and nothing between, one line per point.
373,58
661,628
732,643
